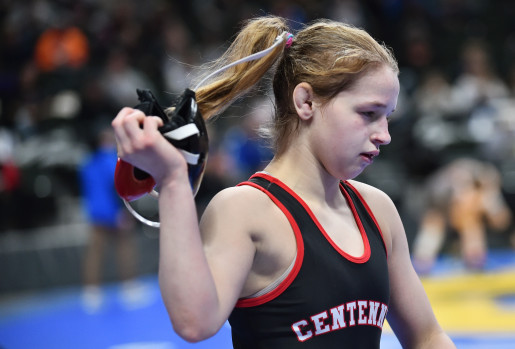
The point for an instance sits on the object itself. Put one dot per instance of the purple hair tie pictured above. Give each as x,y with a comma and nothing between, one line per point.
289,40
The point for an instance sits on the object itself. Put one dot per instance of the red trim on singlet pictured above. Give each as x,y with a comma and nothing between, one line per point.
252,302
369,212
366,253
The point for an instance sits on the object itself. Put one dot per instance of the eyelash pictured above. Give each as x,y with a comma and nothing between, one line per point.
372,115
369,114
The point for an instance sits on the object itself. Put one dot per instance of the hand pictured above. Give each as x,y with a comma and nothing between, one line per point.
141,144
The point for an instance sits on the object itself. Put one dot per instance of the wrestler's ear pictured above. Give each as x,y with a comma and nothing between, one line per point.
303,100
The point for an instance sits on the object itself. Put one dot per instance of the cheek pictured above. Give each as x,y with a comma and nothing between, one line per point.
347,134
338,133
332,138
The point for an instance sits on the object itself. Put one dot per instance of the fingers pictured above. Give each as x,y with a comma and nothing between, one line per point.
151,125
131,127
133,124
124,117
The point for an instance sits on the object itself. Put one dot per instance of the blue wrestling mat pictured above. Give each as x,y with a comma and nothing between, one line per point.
476,309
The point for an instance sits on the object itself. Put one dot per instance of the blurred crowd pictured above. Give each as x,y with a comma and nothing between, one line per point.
67,67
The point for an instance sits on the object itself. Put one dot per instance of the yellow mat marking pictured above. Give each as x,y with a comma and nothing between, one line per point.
467,303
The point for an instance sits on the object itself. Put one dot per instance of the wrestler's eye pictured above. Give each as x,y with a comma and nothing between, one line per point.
369,114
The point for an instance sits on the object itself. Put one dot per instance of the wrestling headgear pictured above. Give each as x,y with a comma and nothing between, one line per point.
184,128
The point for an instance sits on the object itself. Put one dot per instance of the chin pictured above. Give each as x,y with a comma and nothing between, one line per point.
353,174
347,173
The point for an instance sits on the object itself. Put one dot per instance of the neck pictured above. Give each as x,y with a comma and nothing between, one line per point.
300,171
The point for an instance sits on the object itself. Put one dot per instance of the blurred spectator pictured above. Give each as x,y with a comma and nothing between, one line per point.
120,79
478,83
218,171
434,105
463,197
432,94
10,180
178,56
348,11
109,222
243,144
61,47
461,116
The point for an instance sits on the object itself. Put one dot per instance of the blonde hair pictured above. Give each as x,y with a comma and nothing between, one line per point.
328,55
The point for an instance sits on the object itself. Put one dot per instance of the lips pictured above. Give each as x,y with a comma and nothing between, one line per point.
370,155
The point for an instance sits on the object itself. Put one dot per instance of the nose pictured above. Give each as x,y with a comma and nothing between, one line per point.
380,134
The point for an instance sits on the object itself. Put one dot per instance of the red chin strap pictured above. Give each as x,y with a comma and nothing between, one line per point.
130,182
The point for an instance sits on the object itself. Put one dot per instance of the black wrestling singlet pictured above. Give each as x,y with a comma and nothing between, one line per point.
329,299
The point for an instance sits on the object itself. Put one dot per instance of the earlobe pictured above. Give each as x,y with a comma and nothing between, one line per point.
303,100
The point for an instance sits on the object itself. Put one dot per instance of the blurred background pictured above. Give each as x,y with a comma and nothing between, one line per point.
67,68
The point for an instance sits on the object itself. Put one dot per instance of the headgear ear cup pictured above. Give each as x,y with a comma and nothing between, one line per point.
130,182
184,128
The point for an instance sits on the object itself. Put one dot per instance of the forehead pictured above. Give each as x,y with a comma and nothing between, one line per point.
380,84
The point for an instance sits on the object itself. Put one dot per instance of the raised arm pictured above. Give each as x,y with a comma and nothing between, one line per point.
202,273
200,282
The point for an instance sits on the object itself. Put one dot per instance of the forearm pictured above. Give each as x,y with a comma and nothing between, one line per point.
437,340
186,282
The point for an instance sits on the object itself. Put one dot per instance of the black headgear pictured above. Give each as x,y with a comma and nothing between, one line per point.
184,128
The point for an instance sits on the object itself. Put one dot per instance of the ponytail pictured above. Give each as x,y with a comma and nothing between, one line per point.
223,89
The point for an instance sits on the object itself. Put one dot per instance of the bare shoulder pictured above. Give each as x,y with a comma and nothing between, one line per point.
244,226
241,208
238,199
372,195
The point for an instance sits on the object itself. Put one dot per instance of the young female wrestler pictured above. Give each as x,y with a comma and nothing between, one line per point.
300,255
